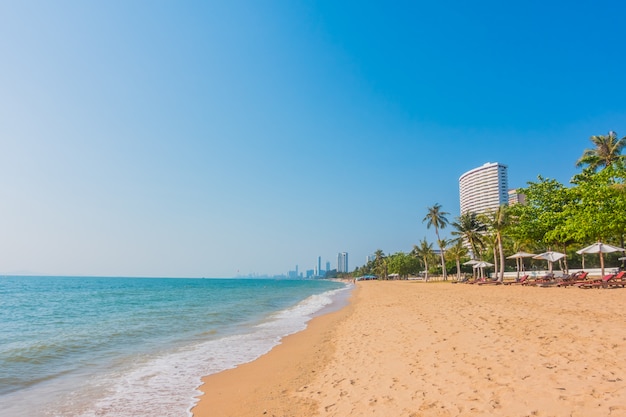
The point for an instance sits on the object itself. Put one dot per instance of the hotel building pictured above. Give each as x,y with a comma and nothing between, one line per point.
516,198
484,188
342,262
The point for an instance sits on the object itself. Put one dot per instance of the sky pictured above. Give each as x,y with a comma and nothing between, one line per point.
225,138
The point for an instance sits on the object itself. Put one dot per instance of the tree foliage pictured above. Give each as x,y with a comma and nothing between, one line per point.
607,151
436,218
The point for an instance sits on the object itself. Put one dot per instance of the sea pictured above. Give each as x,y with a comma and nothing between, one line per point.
93,346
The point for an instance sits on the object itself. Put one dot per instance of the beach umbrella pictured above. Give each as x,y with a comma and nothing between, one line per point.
481,265
472,262
519,260
550,256
600,248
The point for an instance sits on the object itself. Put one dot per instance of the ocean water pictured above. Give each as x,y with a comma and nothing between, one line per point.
85,346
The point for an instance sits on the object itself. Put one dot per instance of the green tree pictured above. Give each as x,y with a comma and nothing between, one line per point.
469,228
424,252
497,221
542,218
606,151
437,219
598,207
380,264
457,251
402,264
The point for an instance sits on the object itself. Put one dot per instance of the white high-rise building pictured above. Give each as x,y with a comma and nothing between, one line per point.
484,188
342,262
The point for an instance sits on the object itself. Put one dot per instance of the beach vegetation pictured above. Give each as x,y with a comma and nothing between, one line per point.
402,264
554,217
424,251
607,151
437,218
457,251
496,222
469,228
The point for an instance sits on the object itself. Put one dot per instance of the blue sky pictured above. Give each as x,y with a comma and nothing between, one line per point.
158,138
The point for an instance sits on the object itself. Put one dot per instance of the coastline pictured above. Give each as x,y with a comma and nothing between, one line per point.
417,349
267,385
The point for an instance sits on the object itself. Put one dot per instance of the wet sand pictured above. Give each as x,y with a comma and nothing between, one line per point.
415,349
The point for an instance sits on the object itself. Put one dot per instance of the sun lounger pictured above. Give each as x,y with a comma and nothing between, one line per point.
546,279
521,281
577,278
618,280
490,282
598,283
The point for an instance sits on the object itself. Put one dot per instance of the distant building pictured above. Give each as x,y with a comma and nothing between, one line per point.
327,266
515,198
319,266
294,274
370,258
342,262
484,188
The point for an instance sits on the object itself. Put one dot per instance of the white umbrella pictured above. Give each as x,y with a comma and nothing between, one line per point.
472,262
518,256
600,248
550,257
481,265
623,258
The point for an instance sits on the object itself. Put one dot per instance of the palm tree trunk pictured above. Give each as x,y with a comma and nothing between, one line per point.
565,259
495,260
443,261
501,249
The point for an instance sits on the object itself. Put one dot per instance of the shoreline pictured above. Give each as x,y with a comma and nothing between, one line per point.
266,385
419,350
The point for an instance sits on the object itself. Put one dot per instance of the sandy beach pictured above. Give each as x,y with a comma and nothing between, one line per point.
435,349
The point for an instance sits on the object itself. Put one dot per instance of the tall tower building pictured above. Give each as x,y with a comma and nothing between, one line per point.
319,266
484,188
342,262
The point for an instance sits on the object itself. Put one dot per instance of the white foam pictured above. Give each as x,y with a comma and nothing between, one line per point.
167,384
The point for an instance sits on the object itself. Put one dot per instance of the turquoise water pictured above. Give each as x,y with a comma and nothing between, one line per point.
138,346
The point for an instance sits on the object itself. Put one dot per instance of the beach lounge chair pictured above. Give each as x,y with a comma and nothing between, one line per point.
490,282
598,283
547,278
579,277
521,281
618,280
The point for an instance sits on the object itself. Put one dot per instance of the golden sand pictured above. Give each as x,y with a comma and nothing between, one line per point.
415,349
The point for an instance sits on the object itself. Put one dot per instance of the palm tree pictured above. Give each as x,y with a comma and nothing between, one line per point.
496,221
380,264
457,251
425,252
437,218
470,229
606,152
